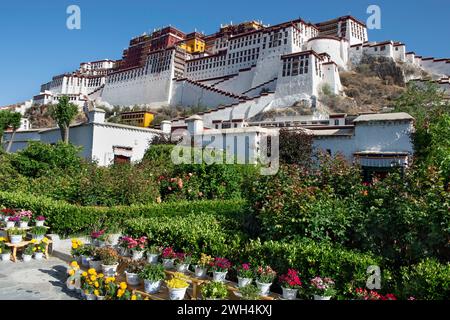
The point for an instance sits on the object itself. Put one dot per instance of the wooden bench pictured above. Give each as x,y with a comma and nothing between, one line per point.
22,245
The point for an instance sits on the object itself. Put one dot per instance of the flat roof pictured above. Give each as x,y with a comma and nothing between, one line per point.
383,117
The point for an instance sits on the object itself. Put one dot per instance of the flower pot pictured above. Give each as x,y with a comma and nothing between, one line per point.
152,287
70,285
168,263
289,294
152,258
40,223
243,282
91,297
10,224
6,256
16,239
137,255
200,272
109,270
177,294
23,224
85,261
132,279
27,258
219,276
317,297
97,265
38,255
264,288
38,237
184,267
100,297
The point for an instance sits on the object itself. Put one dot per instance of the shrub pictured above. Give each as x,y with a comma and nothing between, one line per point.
429,280
67,219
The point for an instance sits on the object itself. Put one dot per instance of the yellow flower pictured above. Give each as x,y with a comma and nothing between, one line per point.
176,283
34,249
92,271
71,272
133,297
45,240
96,292
120,293
2,239
84,274
101,275
74,246
96,284
123,285
74,264
93,278
33,241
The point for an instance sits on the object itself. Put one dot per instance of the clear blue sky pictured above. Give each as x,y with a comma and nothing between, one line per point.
35,43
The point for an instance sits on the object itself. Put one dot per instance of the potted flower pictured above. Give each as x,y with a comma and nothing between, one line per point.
153,253
40,220
182,261
110,261
100,287
95,262
16,235
168,256
201,269
39,249
11,222
7,213
323,289
88,284
214,291
290,283
220,268
25,217
123,246
177,286
245,275
38,233
249,292
73,278
5,251
27,253
137,246
264,278
132,270
77,249
99,238
153,275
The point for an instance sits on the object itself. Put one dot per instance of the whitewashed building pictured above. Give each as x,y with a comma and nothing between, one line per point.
103,142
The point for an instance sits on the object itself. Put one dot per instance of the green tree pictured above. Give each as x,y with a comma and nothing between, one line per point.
64,113
9,119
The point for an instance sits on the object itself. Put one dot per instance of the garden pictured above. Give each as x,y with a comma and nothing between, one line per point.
309,232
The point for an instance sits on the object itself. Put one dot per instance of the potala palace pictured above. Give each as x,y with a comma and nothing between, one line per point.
250,68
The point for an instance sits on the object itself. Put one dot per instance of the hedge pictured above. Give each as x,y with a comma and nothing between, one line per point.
203,234
66,219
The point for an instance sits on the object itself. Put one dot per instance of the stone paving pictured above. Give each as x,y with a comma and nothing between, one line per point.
34,280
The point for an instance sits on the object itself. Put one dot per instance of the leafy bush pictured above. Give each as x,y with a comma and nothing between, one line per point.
68,219
429,280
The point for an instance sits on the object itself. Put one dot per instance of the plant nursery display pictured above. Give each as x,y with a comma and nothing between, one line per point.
27,253
322,288
183,261
153,275
265,276
16,235
5,251
290,284
40,221
168,256
249,292
38,233
109,259
201,268
245,274
177,286
132,270
220,268
214,291
153,252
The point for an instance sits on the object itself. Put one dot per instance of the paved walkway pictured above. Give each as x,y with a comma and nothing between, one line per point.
34,280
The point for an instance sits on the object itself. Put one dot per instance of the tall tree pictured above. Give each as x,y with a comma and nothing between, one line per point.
14,124
9,119
64,113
